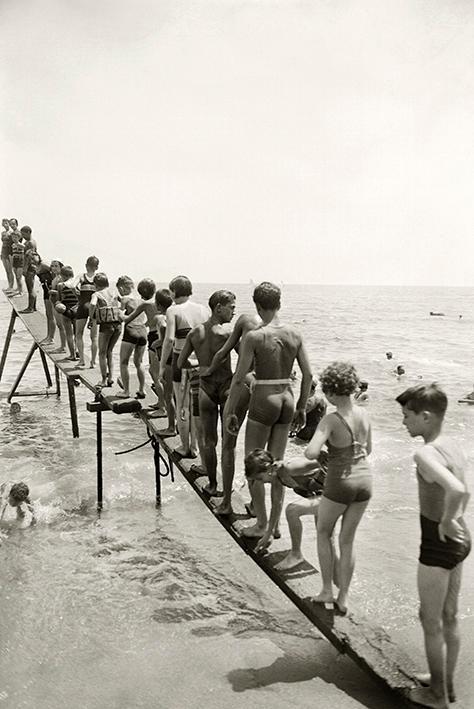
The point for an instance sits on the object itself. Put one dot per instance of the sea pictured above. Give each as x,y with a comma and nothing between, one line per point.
141,607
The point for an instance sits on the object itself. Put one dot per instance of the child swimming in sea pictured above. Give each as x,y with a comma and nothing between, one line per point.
133,340
17,495
348,485
105,308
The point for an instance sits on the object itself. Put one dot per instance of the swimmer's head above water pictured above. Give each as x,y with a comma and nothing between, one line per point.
388,355
19,492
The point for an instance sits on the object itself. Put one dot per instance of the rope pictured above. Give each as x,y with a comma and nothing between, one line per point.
156,448
135,448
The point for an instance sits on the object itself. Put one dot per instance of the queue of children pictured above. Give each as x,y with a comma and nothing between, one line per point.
333,478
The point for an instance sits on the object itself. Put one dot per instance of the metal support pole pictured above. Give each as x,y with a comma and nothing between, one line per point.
156,457
46,368
99,459
72,407
22,371
7,341
58,380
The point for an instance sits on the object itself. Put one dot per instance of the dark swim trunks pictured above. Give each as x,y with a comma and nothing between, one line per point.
217,391
132,339
434,552
110,327
277,407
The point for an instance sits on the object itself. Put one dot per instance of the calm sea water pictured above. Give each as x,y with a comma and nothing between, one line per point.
143,608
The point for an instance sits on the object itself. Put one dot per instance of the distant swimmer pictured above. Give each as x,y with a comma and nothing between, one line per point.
361,395
468,398
400,370
439,315
389,355
17,495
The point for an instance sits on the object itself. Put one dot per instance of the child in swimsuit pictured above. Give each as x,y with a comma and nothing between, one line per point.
56,267
305,477
7,254
445,538
67,307
163,301
105,308
85,286
45,277
18,261
348,486
133,340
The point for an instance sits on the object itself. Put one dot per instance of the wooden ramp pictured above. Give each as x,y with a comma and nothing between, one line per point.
368,645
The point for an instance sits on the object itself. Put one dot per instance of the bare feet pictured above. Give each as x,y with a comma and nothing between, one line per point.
292,559
225,508
160,411
211,490
424,678
58,350
167,432
253,531
123,395
323,597
425,697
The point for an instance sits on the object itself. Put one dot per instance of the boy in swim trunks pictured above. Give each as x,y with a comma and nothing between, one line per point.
85,287
348,485
7,255
32,260
66,306
445,539
163,301
181,318
133,340
271,350
147,288
205,340
245,323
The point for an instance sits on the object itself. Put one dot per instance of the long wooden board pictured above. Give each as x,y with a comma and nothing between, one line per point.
368,645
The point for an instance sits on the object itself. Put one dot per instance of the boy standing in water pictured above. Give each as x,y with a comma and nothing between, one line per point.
445,539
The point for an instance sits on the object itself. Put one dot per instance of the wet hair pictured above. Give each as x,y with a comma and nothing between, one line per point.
388,355
400,369
181,286
267,295
364,385
55,260
67,272
221,297
146,288
258,461
92,263
124,282
339,378
26,230
20,491
424,397
163,299
101,280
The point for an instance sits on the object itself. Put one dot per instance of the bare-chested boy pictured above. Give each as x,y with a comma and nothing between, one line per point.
272,349
147,288
205,340
245,323
181,318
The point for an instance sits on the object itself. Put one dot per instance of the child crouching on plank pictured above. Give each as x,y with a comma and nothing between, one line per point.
306,477
133,340
445,539
348,485
105,308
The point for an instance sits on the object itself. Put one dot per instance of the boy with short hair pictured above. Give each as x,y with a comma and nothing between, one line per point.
163,301
67,308
105,308
445,539
133,340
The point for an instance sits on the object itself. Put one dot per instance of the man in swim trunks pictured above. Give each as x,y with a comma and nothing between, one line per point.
181,318
445,539
205,340
271,350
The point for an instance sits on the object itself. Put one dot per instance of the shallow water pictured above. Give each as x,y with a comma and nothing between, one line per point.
144,607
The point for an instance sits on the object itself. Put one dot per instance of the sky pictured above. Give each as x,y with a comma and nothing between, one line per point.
321,141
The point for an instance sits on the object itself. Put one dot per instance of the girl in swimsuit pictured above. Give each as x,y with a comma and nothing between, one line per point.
86,287
348,485
45,277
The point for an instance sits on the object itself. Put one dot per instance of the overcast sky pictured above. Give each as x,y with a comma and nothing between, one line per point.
328,141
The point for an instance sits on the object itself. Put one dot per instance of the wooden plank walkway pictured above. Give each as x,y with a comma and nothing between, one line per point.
368,645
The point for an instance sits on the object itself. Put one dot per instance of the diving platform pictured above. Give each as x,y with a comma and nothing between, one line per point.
368,645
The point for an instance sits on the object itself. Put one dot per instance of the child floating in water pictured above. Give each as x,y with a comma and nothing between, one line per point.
17,495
